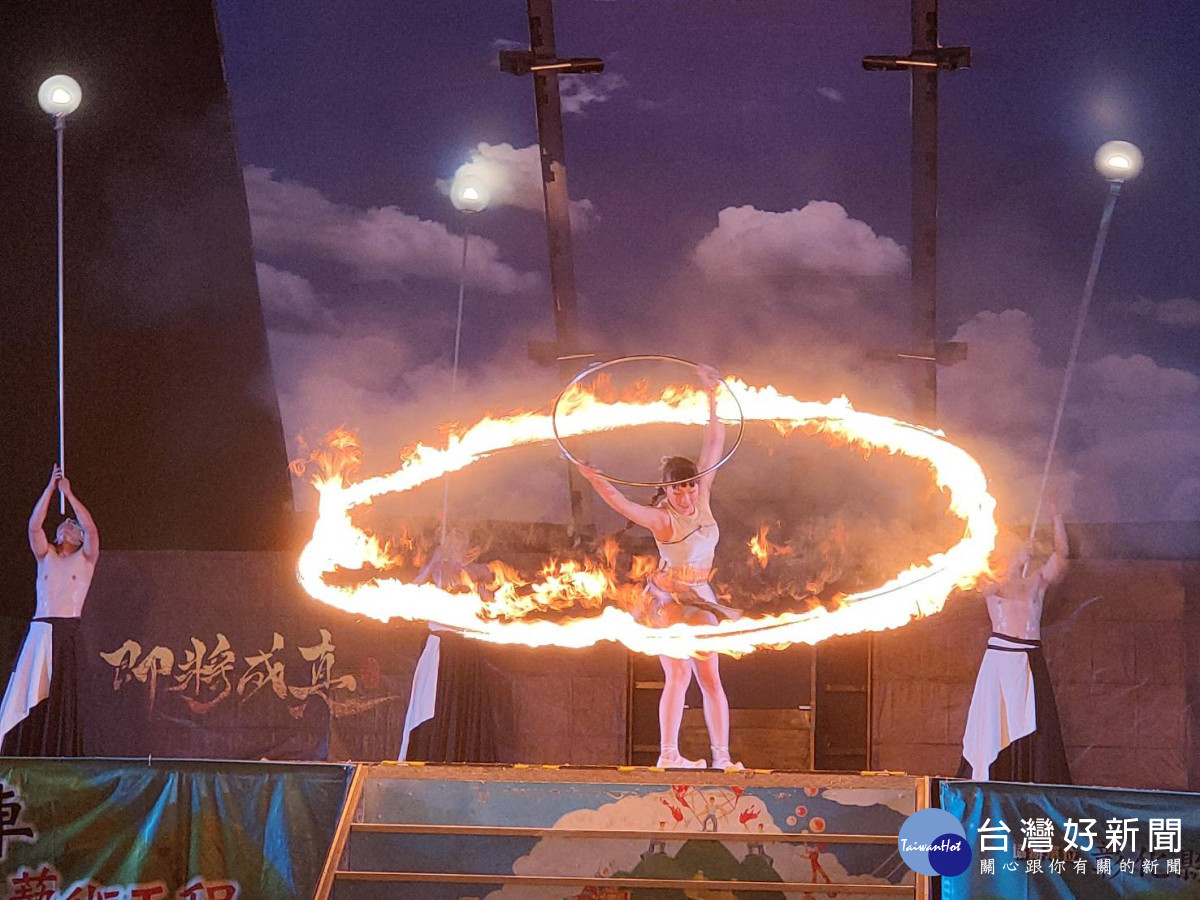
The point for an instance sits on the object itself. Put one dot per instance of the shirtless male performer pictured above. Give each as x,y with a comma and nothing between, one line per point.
1013,732
39,715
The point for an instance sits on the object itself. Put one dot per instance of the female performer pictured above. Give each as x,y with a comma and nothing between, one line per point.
683,526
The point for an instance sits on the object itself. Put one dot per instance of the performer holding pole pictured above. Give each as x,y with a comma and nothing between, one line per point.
1013,732
39,715
683,526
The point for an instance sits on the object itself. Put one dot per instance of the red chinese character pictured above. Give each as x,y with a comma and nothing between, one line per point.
91,891
30,885
204,890
147,891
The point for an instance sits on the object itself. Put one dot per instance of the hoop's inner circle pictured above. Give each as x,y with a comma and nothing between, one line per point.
635,457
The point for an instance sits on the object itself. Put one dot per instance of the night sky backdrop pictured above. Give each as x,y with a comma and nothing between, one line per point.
741,192
740,195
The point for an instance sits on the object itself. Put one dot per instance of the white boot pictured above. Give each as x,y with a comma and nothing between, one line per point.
669,758
721,760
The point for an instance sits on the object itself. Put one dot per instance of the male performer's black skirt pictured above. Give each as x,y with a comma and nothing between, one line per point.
1037,758
464,723
52,727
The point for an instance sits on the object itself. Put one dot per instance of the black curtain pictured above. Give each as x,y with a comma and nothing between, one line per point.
465,723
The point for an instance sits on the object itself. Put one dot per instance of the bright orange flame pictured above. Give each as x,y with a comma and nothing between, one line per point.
761,549
500,611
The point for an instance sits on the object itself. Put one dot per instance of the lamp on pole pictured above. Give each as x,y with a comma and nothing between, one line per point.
59,96
470,194
1118,162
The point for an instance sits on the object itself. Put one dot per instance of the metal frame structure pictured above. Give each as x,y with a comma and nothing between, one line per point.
350,822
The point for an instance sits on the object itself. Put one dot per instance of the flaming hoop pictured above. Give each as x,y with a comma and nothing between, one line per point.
921,590
595,369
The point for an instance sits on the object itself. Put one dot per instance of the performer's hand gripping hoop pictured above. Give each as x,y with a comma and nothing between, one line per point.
597,367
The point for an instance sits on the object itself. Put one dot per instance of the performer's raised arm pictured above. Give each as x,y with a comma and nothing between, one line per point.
37,520
1056,565
656,520
714,432
91,535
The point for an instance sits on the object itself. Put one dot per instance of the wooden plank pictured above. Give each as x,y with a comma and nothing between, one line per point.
341,833
734,837
680,884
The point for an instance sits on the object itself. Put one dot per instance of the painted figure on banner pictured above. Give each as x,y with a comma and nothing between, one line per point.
681,520
39,714
1013,731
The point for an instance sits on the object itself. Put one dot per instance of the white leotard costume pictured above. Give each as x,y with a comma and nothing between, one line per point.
685,565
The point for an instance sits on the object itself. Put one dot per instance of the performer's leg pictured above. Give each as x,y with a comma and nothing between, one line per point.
677,675
716,709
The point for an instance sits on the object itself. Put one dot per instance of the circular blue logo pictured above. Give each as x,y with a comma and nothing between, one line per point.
933,842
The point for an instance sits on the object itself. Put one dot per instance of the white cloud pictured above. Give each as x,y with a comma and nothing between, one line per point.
576,92
819,239
1178,312
1139,378
832,94
514,175
377,244
287,296
1130,436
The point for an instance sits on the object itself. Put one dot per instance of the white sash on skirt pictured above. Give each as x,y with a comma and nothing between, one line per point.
423,698
29,683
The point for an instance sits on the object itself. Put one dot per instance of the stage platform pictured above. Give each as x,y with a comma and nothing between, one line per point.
204,830
448,833
207,830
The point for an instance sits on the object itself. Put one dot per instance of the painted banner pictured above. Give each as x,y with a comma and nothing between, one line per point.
1036,841
222,656
778,819
119,830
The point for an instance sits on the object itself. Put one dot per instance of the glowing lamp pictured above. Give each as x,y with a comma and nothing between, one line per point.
1119,161
469,193
59,95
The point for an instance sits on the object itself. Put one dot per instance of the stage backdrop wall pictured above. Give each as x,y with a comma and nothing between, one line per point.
172,423
1122,654
221,655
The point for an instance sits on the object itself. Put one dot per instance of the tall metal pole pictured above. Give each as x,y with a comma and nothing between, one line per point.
60,122
558,221
462,292
1088,289
924,158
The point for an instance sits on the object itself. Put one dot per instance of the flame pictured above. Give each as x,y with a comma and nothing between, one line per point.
761,549
497,607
